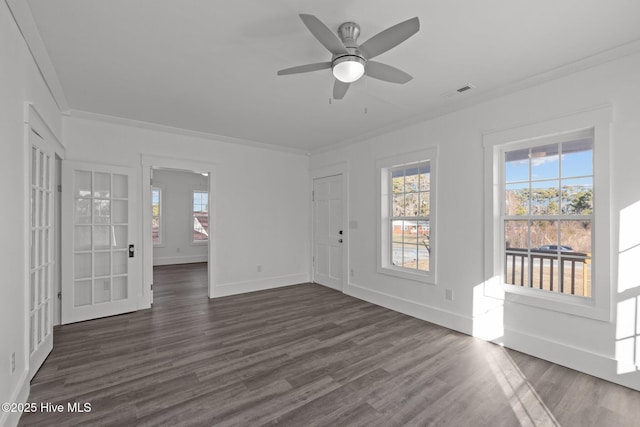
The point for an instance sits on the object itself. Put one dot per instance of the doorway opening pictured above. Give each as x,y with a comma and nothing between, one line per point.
180,221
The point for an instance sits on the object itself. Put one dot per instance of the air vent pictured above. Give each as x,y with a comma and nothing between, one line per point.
465,88
459,91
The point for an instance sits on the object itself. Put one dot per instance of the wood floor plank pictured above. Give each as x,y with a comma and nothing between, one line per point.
302,355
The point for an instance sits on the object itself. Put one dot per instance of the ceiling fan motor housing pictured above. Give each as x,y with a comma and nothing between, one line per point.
349,32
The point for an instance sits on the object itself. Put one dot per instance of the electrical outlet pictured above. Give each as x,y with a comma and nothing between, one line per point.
448,294
12,362
259,269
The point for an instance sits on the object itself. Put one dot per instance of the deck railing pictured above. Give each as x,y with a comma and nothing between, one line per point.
568,272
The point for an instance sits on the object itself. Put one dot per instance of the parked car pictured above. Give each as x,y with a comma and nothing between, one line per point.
553,248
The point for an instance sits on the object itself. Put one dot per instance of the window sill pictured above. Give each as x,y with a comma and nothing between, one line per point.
567,304
409,275
200,243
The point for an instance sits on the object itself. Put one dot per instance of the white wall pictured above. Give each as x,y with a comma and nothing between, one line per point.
177,220
261,204
20,82
578,342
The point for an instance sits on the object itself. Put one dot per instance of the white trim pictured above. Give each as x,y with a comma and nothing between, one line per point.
184,259
25,22
181,131
148,161
20,395
341,168
235,288
598,365
383,265
445,318
599,119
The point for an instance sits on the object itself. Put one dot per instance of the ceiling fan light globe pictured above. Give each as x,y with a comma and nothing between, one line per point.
348,69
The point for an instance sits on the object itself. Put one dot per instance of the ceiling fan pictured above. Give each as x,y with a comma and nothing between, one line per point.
351,61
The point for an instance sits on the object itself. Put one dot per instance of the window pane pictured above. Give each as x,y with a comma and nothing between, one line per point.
544,236
516,234
544,162
517,199
517,165
396,231
397,181
411,204
424,246
410,256
577,196
411,180
411,232
577,158
545,198
425,203
576,257
398,205
425,178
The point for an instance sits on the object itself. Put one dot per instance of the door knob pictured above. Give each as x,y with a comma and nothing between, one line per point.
339,240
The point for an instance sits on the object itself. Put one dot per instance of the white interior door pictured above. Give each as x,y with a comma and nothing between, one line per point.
328,231
100,265
41,267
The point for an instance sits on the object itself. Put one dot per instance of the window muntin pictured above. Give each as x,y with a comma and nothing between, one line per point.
409,216
547,216
156,215
200,216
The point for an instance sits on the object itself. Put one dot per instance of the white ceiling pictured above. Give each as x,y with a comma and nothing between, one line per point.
210,66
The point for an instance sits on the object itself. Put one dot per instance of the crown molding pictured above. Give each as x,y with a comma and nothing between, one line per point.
181,131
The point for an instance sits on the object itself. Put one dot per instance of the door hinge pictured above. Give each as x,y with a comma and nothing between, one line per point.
151,181
151,286
313,196
59,295
59,188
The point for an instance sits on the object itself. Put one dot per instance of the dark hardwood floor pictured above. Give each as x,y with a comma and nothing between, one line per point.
302,355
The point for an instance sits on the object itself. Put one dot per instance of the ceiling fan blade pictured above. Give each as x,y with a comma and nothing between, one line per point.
324,35
385,72
305,68
389,38
340,89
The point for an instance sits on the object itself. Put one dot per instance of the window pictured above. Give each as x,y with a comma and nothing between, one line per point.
407,215
200,211
548,215
156,215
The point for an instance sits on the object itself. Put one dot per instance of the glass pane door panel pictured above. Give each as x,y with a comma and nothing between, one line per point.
82,238
82,212
120,186
101,237
119,211
120,262
82,266
82,184
102,185
119,236
102,290
102,264
101,211
119,288
82,293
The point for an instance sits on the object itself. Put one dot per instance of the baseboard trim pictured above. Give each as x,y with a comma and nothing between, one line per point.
20,395
597,365
234,288
186,259
594,364
425,312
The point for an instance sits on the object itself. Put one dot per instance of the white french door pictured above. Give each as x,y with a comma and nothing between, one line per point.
100,270
41,264
328,231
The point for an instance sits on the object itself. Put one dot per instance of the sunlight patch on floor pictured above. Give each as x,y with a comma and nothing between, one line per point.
525,402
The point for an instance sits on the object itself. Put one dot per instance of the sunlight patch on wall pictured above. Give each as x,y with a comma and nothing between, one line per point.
628,336
488,315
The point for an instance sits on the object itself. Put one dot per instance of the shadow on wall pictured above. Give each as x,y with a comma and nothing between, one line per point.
627,345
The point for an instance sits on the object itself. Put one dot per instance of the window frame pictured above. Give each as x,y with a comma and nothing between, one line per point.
597,121
384,166
160,242
191,212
